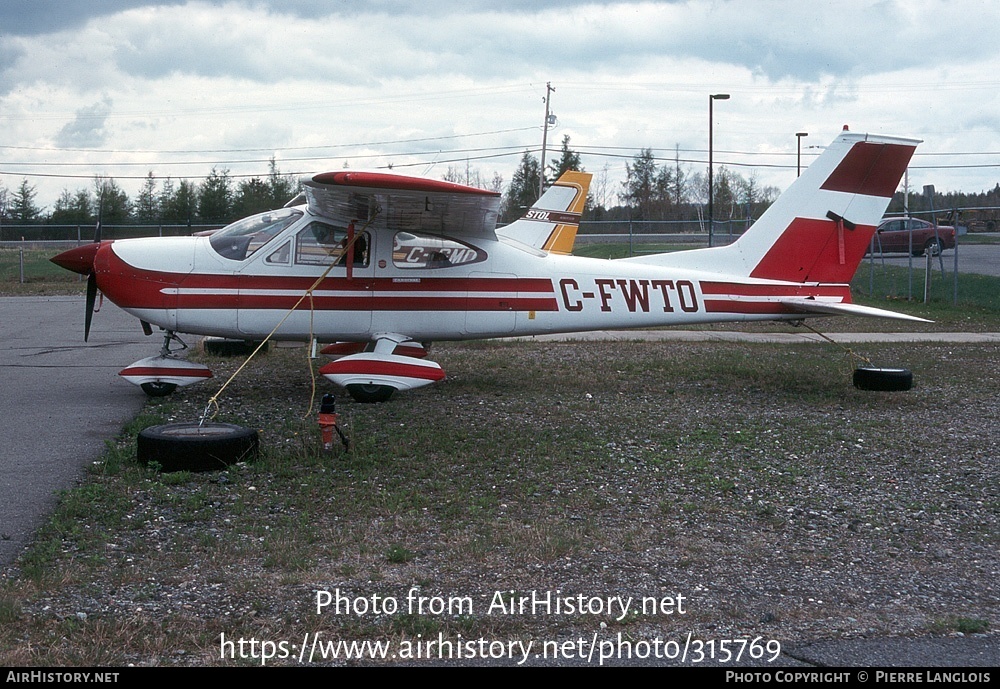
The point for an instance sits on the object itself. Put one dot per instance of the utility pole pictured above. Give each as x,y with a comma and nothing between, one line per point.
549,119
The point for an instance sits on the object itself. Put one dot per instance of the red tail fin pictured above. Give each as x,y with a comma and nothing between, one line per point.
829,249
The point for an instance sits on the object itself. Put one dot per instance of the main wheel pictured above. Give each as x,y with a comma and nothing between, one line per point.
158,389
883,379
193,447
225,347
933,247
367,394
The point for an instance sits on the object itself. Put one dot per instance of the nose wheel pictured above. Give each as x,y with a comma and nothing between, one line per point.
158,388
369,394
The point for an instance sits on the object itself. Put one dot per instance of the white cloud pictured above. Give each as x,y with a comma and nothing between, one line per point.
218,76
87,128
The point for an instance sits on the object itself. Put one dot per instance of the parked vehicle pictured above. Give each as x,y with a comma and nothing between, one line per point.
905,235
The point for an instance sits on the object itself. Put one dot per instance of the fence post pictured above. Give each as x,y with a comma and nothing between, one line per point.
954,298
21,261
928,267
871,267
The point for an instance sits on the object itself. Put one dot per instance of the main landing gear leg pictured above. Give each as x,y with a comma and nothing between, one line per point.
157,388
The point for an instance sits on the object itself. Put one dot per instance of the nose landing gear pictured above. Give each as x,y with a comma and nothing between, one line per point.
160,375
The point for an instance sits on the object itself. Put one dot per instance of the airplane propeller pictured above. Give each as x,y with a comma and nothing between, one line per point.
81,260
91,287
91,300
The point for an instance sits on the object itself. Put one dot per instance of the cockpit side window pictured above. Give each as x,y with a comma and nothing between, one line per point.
280,255
244,237
320,244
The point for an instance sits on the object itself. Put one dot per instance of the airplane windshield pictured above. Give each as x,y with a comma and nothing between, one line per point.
244,237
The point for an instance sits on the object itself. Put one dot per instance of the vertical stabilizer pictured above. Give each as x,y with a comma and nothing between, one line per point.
818,230
551,223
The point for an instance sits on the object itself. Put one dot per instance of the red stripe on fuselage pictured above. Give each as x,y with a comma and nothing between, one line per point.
131,287
797,291
723,297
748,307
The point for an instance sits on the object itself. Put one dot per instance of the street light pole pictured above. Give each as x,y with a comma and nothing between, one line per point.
711,190
798,155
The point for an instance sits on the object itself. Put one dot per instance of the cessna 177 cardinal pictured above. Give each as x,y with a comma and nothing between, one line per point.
393,262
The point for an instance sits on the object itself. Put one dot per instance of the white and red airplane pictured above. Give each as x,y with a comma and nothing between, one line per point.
391,263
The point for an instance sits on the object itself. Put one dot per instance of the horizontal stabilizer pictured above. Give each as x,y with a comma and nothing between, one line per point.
809,306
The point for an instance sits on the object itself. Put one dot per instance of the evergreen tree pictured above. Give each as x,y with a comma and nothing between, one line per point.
147,203
215,200
22,204
567,160
165,198
113,206
253,196
640,184
282,187
523,189
725,184
178,207
73,208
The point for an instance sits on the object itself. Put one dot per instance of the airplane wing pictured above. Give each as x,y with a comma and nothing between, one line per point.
400,203
809,306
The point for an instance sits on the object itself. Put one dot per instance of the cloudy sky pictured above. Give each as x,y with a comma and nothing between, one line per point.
125,87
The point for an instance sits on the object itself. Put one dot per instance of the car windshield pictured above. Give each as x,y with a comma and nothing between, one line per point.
244,237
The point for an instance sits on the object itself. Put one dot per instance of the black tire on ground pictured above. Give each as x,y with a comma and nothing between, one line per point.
368,394
933,247
883,379
158,389
190,447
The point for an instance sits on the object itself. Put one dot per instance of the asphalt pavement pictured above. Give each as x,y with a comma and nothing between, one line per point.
983,259
61,400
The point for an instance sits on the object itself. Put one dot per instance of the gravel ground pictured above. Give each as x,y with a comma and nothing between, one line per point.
747,488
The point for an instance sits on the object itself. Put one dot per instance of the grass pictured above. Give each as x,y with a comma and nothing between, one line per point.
41,276
964,625
607,469
726,472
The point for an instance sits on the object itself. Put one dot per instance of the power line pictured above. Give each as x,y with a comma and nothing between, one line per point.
273,148
272,107
242,161
387,166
